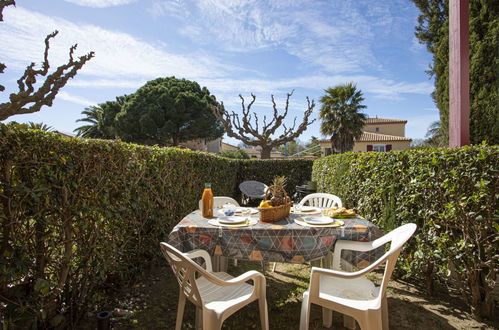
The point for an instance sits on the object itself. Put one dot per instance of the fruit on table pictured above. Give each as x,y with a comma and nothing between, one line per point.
339,212
277,190
265,204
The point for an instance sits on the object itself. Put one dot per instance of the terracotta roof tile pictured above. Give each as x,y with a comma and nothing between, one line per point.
372,121
377,137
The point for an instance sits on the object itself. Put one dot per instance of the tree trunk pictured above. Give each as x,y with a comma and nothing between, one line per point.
265,153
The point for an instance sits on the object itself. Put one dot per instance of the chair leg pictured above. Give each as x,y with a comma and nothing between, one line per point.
371,321
384,311
198,319
327,317
273,267
235,262
264,315
180,310
211,321
349,322
305,312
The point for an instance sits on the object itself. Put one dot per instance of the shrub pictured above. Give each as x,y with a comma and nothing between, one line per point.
450,193
82,215
237,154
79,216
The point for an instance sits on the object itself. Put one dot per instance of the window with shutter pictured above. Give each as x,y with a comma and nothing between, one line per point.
369,147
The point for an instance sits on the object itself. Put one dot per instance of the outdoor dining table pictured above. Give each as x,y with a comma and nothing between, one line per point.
282,241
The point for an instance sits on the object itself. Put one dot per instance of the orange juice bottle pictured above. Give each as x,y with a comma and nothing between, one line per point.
207,201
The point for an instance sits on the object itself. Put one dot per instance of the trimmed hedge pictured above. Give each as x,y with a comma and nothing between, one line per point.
451,194
78,216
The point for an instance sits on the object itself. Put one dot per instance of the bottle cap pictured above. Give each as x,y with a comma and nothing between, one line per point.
207,185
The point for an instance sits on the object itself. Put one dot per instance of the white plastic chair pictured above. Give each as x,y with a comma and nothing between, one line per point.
216,295
321,200
219,201
351,293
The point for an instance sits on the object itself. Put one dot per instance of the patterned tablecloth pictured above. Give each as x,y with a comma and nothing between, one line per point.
283,241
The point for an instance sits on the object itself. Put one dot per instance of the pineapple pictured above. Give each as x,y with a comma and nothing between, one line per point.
278,192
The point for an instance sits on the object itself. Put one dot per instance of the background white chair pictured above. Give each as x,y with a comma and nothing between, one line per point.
219,201
216,295
321,200
351,293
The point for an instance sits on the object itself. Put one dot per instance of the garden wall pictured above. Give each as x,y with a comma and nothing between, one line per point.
451,194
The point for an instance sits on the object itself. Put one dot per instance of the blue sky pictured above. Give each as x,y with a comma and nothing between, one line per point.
230,46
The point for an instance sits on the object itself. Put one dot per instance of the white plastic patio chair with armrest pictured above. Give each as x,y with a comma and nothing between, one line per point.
351,293
215,295
322,200
219,201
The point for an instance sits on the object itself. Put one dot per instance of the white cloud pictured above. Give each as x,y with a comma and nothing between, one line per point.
117,54
228,89
100,3
334,36
75,99
382,88
175,8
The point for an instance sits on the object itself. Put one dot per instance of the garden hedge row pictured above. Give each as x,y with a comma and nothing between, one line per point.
80,215
451,194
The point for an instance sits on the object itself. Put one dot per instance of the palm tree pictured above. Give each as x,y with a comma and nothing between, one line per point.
94,118
435,136
340,115
41,126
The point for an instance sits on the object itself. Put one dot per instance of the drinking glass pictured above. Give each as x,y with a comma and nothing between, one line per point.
229,209
297,207
245,212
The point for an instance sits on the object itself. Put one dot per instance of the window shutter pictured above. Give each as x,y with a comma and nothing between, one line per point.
388,147
369,147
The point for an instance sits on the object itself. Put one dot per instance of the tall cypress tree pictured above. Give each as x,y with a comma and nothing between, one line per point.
433,31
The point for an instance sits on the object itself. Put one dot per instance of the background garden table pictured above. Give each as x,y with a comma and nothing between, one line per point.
283,241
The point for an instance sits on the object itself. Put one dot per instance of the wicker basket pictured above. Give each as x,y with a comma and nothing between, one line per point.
275,213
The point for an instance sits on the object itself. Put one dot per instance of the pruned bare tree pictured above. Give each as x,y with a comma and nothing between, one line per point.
31,98
247,128
3,4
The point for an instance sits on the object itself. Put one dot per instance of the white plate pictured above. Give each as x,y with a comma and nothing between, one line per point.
252,211
231,220
319,220
307,209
